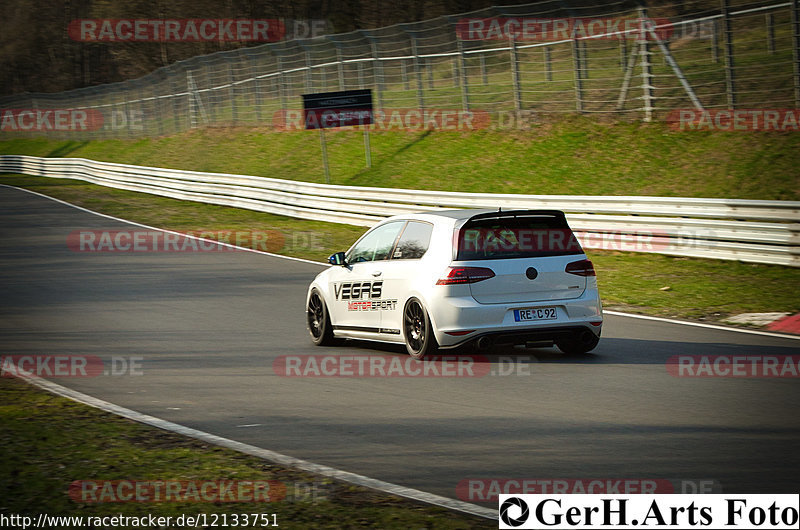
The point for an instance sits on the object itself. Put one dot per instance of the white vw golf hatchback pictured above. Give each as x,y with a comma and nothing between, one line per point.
438,280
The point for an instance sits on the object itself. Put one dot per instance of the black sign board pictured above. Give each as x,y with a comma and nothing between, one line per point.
337,109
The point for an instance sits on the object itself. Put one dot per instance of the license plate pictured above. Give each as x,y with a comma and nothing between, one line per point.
539,313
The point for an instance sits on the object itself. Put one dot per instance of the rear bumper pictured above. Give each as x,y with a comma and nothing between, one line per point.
454,316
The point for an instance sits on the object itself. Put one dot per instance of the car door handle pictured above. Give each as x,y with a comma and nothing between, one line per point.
377,273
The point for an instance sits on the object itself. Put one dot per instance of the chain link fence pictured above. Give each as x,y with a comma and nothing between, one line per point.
636,63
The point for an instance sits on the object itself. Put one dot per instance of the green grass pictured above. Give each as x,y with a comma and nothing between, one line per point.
569,156
698,288
47,442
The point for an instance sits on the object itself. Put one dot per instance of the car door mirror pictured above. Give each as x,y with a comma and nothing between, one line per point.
337,259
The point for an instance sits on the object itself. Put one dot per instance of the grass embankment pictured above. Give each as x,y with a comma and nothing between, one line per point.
47,442
572,156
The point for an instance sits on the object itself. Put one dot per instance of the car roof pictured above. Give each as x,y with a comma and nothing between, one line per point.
465,214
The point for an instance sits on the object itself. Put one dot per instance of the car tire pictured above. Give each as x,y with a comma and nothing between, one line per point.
578,345
417,330
319,320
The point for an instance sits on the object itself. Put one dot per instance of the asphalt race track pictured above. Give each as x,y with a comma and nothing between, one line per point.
207,327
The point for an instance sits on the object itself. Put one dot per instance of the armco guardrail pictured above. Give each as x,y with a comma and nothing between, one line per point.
733,229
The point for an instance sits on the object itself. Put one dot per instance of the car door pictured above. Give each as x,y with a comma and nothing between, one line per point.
356,288
400,272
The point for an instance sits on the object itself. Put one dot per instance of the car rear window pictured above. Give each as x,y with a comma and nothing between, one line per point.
516,237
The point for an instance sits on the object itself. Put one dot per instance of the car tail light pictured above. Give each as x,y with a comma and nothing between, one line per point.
583,267
456,275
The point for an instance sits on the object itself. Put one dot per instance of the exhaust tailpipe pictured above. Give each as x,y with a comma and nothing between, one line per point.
483,343
586,337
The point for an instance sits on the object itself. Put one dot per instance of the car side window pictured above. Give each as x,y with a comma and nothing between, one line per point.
414,242
376,244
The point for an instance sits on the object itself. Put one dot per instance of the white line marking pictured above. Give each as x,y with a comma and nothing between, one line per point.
251,425
615,313
702,325
266,454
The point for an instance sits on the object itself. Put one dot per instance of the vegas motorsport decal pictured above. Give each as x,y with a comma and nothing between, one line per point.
363,296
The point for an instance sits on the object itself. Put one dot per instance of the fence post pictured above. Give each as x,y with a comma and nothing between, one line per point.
796,50
584,59
234,115
647,71
714,42
576,63
770,21
309,74
360,69
281,94
548,64
377,71
340,65
484,73
191,101
515,73
176,113
730,74
623,51
257,97
463,71
429,67
418,68
404,74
